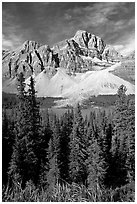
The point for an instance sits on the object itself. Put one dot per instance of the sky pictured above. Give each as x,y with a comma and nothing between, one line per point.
51,22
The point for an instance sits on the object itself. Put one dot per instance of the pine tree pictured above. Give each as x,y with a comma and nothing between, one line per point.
90,129
119,139
94,123
77,166
97,157
107,153
66,129
96,166
7,144
47,134
53,174
100,135
130,162
34,134
16,164
25,162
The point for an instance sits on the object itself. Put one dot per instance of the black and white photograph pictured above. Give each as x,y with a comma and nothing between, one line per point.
68,101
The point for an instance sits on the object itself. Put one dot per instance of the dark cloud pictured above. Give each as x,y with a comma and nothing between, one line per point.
51,22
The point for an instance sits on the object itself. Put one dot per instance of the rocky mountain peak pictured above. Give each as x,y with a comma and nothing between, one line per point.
89,41
75,55
29,46
110,53
82,38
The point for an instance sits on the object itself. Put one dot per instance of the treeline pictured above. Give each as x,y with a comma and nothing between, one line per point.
96,152
9,101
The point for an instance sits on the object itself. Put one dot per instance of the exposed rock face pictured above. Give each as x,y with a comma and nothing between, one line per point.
82,38
110,53
5,54
83,44
69,57
90,41
29,46
32,57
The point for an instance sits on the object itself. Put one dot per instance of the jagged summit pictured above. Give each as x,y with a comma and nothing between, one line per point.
28,46
81,53
91,41
111,53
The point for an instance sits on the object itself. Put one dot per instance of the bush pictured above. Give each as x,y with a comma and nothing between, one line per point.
67,193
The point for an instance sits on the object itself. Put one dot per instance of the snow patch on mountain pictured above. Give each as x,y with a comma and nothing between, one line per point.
76,87
59,83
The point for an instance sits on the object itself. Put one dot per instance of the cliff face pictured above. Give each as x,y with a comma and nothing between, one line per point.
89,41
111,54
32,57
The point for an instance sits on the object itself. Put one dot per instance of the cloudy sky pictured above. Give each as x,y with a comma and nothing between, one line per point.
52,22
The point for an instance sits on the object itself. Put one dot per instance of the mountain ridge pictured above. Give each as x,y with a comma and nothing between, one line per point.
59,68
68,56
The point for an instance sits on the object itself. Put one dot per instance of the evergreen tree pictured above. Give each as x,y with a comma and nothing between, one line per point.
90,129
7,144
53,174
66,129
119,139
107,153
96,166
34,134
25,162
46,136
105,135
100,135
94,123
130,162
17,164
77,166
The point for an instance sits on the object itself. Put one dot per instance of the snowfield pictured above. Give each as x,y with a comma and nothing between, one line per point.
90,83
78,87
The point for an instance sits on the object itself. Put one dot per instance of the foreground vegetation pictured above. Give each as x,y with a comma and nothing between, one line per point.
68,193
70,158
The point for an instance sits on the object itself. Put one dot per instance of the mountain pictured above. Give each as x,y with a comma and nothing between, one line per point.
127,68
73,69
131,56
111,54
76,87
33,57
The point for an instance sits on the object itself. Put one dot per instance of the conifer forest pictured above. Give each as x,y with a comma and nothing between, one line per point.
67,158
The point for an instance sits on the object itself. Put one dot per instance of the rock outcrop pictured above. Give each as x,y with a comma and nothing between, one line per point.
89,41
74,54
30,58
110,54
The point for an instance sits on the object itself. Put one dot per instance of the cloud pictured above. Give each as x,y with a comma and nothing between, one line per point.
118,47
6,43
127,46
12,36
12,41
95,14
108,20
49,23
67,16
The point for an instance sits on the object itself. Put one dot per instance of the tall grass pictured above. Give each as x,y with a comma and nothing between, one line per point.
67,193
